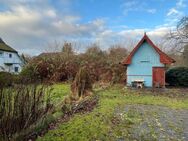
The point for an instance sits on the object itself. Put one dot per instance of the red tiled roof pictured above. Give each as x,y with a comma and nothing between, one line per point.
164,58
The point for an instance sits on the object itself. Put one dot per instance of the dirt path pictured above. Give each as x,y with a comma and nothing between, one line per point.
155,122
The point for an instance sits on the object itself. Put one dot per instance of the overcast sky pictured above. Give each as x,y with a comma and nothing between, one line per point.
30,25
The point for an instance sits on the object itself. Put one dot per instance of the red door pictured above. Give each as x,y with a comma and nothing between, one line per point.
158,77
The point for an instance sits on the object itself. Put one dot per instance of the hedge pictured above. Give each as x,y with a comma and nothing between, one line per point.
177,76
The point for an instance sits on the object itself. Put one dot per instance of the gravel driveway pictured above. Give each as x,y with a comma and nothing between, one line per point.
149,122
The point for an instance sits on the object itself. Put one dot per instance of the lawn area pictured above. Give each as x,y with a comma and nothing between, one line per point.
59,92
124,114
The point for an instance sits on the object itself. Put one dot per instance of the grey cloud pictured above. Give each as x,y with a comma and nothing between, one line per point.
27,28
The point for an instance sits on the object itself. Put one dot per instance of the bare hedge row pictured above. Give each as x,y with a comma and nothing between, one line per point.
63,66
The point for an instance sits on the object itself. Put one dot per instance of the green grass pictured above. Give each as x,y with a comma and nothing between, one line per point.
98,124
59,92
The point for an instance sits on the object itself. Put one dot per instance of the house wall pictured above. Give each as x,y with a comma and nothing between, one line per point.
5,59
141,65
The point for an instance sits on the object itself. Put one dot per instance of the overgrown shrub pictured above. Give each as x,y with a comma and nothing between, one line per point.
81,88
6,79
81,98
82,85
177,76
66,70
62,66
21,107
38,70
28,75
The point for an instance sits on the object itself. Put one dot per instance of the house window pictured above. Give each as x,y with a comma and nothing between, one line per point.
10,55
1,53
16,69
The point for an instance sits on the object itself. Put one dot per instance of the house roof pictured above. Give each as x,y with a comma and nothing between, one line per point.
5,47
164,58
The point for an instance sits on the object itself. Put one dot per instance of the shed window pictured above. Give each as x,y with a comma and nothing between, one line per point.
145,61
16,69
10,55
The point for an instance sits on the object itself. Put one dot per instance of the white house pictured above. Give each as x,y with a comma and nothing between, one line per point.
10,61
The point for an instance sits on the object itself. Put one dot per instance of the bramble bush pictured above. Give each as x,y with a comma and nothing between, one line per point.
22,106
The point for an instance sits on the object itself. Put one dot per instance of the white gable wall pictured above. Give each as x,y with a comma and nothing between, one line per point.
10,62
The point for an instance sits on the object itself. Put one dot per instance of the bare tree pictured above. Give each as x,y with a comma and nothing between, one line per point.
180,35
117,52
185,55
180,39
67,48
54,46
